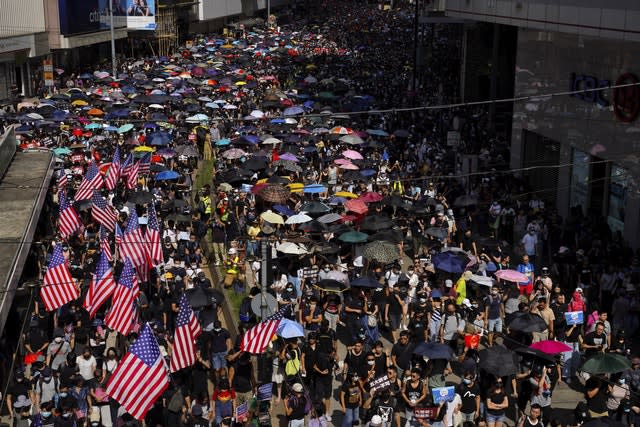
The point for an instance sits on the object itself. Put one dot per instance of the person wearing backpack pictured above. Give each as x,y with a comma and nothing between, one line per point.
451,327
295,406
292,358
47,386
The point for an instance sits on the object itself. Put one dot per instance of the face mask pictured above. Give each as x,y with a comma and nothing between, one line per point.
466,380
45,414
289,289
46,379
63,394
66,415
410,272
423,300
326,269
494,292
58,339
371,362
217,329
87,356
622,381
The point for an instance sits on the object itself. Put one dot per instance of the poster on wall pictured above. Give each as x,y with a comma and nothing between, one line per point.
141,14
89,16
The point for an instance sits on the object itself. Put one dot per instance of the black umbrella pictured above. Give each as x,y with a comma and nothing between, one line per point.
314,227
437,232
394,236
498,360
325,248
315,208
527,322
365,282
202,297
179,218
532,352
376,223
434,350
255,164
140,197
330,284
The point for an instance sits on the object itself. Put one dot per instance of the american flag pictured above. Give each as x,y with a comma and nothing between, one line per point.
256,339
61,179
132,176
184,337
126,166
113,174
144,164
153,237
118,234
102,212
102,286
141,377
105,244
92,181
57,287
133,245
123,309
68,220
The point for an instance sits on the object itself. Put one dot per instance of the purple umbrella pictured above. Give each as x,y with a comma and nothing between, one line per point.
289,156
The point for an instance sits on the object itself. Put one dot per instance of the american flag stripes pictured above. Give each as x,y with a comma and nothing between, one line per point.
68,220
57,287
184,337
133,245
118,234
132,176
256,339
102,212
123,310
154,244
61,179
102,286
105,244
144,164
141,377
113,174
127,165
92,181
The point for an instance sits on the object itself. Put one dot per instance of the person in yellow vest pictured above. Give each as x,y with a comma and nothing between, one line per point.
461,287
232,261
205,205
397,187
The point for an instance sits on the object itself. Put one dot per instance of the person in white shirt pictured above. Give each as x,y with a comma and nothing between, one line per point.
86,364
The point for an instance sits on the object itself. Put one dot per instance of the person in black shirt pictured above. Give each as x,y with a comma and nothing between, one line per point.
355,361
533,420
594,342
195,419
402,351
469,392
596,395
322,372
295,405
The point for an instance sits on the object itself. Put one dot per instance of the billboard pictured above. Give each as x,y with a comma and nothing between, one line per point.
88,16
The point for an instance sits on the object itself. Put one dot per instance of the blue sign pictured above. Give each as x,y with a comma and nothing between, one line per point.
443,394
89,16
574,317
589,84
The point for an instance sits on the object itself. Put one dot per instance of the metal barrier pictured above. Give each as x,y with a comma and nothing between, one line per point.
8,147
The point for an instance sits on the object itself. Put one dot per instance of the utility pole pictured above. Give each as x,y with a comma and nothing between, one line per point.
414,73
114,65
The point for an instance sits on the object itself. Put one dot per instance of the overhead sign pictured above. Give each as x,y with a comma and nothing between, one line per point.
47,72
141,14
90,16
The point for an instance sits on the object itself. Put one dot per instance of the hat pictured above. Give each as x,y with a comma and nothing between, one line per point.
358,262
467,275
579,290
448,283
58,333
376,420
125,210
22,402
46,372
466,302
297,387
267,229
196,411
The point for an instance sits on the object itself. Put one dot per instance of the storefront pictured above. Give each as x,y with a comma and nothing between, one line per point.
16,55
594,133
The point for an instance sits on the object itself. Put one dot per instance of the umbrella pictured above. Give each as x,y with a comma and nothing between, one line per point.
197,118
291,248
449,262
298,219
314,188
352,139
550,346
353,237
289,156
315,208
381,251
330,284
141,198
233,153
365,282
284,210
532,352
61,151
272,217
346,195
434,350
527,322
511,276
352,154
437,232
274,193
498,360
289,329
125,128
314,227
167,175
202,297
329,218
370,197
375,223
356,206
606,363
481,280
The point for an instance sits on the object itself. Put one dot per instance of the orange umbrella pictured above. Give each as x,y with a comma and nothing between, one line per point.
95,112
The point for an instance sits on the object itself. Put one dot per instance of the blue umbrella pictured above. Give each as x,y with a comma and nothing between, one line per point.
160,138
289,329
59,115
111,129
292,111
368,172
314,188
223,141
434,350
337,200
277,121
449,262
284,210
150,126
167,175
365,282
309,149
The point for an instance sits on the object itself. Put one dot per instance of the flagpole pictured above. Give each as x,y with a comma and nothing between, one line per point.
113,43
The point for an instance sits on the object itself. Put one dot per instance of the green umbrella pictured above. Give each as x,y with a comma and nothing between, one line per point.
353,237
92,126
61,151
606,363
125,128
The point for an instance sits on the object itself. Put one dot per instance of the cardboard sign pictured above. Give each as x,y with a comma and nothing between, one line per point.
574,317
471,341
443,394
265,392
241,412
379,383
425,413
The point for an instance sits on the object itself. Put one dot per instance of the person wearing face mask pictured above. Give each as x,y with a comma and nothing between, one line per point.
350,400
19,391
469,392
45,417
332,305
57,350
219,346
86,364
618,391
493,313
46,387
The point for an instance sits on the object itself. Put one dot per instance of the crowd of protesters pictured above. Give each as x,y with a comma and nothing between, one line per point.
399,268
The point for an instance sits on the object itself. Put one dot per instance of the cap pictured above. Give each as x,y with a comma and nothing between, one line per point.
297,387
466,302
232,251
376,420
578,290
448,283
46,372
358,262
196,411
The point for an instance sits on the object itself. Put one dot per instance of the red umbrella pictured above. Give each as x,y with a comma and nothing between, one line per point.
356,205
551,347
370,196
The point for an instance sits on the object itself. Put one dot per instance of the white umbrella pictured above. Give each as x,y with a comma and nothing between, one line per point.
270,141
482,280
292,248
257,113
300,218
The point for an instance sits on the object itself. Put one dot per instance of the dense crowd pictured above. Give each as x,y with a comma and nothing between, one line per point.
412,293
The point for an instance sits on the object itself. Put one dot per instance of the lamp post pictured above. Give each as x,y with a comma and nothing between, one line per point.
414,72
114,68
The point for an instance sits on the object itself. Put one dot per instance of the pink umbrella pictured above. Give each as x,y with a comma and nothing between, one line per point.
349,166
352,154
356,205
342,161
511,276
551,347
289,156
370,196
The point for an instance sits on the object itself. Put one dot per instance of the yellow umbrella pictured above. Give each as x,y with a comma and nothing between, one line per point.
272,217
261,181
296,187
227,46
241,83
346,194
79,103
144,148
